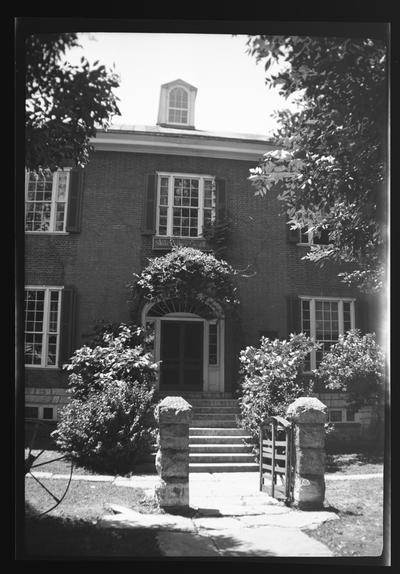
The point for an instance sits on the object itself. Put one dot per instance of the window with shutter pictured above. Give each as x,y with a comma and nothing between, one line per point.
46,200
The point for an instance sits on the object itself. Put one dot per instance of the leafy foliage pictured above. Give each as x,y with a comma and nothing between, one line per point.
354,365
187,272
64,103
108,421
217,234
331,170
272,378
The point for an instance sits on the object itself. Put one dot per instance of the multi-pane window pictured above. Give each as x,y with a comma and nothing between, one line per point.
178,108
42,326
213,344
324,320
186,203
340,415
46,196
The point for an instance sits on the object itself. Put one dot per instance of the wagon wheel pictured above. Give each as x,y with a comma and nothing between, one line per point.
40,454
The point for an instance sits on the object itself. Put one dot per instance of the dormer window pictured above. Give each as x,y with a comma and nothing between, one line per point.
176,108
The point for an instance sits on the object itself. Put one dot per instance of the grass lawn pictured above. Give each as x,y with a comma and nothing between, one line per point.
359,504
71,529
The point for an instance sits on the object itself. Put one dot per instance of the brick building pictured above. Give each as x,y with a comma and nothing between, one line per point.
88,230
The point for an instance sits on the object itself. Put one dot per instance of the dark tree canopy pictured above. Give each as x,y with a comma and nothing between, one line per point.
331,172
64,103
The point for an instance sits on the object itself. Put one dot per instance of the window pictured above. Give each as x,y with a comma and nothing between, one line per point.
178,107
315,237
334,416
324,320
42,326
185,204
46,196
213,344
40,412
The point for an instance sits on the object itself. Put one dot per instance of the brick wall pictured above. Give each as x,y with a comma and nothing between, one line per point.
99,261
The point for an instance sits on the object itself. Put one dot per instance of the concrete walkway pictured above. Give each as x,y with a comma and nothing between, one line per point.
229,517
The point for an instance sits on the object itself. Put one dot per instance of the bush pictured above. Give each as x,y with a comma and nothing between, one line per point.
272,378
108,422
355,365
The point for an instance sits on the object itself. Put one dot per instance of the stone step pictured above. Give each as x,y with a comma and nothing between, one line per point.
216,424
223,467
219,448
220,457
222,439
214,403
215,416
211,409
193,395
215,431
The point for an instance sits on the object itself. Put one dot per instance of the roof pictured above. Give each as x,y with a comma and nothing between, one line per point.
187,131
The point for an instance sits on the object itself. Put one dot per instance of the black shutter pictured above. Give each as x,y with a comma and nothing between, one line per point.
68,322
293,314
221,199
75,200
149,223
361,311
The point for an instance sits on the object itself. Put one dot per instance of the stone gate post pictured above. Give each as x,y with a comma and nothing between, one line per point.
172,459
309,416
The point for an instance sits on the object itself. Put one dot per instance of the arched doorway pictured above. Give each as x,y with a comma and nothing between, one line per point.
189,343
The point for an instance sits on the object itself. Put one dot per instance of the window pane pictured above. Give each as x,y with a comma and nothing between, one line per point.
335,416
48,413
31,412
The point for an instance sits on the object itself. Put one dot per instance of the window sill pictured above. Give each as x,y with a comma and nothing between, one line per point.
49,367
46,232
167,242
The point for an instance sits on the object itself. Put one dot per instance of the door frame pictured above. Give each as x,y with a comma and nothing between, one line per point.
156,321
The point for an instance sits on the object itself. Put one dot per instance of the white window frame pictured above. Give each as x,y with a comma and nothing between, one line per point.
310,241
170,206
46,316
169,107
344,411
340,301
41,408
54,202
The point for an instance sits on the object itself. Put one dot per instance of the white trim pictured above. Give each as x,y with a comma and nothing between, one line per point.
171,176
340,301
45,333
188,145
53,208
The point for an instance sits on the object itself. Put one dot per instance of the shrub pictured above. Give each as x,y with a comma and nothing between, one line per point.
108,422
354,365
272,379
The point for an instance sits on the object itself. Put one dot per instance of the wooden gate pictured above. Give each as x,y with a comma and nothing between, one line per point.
277,458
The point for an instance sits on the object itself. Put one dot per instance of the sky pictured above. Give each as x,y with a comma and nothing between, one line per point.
232,95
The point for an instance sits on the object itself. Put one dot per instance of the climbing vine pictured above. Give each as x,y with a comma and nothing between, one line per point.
187,272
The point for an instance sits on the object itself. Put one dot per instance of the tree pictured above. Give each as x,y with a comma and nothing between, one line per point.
330,172
63,103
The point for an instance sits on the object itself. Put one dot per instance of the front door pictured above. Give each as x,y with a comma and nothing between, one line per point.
181,355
